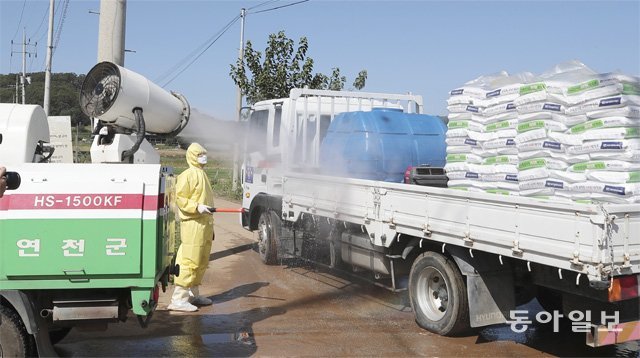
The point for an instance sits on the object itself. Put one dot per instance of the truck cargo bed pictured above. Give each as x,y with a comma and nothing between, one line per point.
596,240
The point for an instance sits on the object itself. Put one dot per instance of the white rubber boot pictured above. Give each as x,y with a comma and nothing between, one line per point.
180,300
198,300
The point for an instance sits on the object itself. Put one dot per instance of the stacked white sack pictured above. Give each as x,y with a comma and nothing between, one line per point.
481,153
578,135
500,120
476,146
606,108
542,160
464,134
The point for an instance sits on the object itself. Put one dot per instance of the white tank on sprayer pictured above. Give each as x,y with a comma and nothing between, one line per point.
127,105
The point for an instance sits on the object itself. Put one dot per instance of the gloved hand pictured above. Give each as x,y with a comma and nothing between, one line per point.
204,209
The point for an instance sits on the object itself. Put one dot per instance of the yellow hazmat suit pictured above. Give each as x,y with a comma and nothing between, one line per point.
193,192
196,230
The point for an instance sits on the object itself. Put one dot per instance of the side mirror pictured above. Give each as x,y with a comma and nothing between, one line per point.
245,114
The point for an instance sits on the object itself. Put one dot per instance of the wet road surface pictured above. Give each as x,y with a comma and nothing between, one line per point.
296,309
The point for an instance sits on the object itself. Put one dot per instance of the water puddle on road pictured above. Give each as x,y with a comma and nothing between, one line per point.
240,342
243,337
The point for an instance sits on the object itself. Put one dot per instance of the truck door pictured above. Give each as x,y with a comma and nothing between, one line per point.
255,164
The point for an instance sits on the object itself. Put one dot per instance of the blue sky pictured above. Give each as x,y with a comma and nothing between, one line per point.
425,47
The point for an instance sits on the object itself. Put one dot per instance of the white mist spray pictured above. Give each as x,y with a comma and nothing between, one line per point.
215,134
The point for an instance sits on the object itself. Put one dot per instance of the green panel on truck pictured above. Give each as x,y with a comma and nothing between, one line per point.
98,268
89,227
71,247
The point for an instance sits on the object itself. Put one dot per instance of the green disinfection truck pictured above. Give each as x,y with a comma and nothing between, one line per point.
83,245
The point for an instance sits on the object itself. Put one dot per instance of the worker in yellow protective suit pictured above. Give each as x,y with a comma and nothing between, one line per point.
194,199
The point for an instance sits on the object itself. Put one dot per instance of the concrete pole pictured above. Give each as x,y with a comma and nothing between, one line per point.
112,31
47,73
23,79
236,163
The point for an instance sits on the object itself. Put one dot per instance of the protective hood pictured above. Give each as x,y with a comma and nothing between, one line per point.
193,187
193,152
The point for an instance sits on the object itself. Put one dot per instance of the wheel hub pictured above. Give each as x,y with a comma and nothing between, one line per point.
262,238
432,293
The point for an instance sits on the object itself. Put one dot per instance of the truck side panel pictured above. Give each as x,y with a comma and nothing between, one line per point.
563,235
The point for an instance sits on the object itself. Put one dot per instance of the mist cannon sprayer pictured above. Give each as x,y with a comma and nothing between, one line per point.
127,105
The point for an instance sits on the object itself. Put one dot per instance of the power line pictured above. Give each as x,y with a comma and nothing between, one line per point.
58,31
225,29
44,61
20,21
208,44
259,5
31,61
35,33
60,25
175,67
280,7
44,33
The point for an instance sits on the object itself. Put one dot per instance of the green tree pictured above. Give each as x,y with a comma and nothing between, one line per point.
63,99
282,69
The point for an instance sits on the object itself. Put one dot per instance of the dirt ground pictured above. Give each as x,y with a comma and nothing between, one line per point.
296,309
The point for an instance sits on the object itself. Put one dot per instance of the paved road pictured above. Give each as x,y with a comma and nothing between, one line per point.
297,310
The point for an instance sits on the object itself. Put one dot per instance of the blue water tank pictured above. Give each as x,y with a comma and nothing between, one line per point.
381,144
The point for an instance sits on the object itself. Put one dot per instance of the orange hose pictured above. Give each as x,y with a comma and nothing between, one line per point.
228,210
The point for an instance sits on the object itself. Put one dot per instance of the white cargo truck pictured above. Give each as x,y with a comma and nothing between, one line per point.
467,259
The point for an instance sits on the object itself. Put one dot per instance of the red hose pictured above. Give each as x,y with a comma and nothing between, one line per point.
228,210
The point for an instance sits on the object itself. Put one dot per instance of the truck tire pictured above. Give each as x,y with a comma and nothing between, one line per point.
438,295
269,228
15,341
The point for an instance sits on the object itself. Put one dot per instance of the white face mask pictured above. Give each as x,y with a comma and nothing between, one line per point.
202,159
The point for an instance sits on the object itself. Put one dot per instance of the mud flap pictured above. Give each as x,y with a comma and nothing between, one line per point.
490,288
489,301
288,244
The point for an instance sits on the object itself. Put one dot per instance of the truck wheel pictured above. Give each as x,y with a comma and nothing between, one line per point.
269,228
438,295
15,341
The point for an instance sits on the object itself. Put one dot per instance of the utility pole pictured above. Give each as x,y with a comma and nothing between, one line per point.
24,80
24,63
15,99
234,185
111,34
47,74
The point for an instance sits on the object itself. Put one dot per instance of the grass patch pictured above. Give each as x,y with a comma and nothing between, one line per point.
219,169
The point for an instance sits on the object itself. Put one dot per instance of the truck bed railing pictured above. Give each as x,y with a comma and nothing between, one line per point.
314,109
